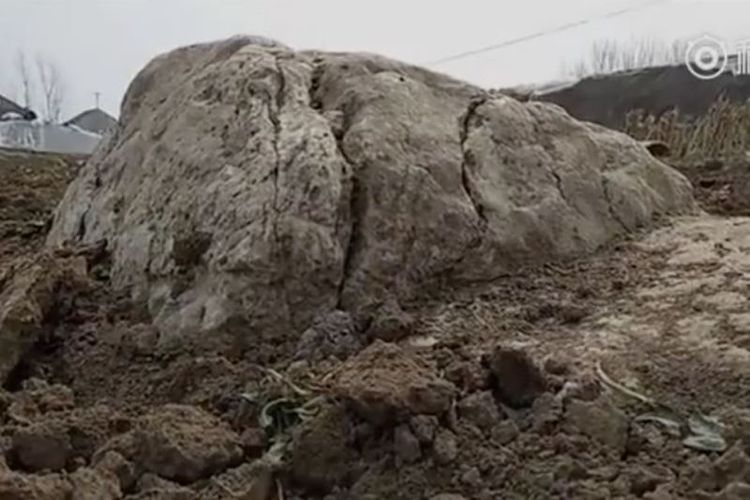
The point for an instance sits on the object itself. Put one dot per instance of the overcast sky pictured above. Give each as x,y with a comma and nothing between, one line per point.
100,45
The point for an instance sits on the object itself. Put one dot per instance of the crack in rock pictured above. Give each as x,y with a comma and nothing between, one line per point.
353,243
610,205
563,195
277,102
81,230
468,158
559,185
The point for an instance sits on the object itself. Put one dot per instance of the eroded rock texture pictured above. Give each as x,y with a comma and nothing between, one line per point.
251,188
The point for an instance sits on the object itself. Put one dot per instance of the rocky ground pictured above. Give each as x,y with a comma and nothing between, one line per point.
621,375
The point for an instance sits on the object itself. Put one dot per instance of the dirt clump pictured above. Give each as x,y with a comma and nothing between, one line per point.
480,409
384,383
15,486
84,484
56,439
33,292
391,323
114,463
334,334
405,444
601,421
90,484
152,486
183,444
515,378
324,455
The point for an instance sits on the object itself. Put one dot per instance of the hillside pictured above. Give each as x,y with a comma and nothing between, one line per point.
607,99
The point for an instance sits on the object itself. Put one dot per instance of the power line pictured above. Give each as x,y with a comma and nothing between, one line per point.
540,34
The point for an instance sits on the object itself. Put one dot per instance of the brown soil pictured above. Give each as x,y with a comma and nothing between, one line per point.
722,187
492,393
31,184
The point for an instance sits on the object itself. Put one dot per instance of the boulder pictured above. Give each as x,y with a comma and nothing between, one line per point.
250,188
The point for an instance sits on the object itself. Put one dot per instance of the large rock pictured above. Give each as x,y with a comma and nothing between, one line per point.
250,187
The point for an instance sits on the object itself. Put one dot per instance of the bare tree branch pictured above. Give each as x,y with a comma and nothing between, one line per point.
52,89
609,56
40,86
24,77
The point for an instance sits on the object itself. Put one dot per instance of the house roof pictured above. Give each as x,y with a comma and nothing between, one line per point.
93,120
8,106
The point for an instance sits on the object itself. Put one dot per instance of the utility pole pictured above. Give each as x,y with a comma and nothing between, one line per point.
96,97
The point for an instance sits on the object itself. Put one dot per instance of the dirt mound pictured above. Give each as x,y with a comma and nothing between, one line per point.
607,99
494,393
252,189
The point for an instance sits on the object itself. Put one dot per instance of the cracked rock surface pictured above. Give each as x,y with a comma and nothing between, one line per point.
250,188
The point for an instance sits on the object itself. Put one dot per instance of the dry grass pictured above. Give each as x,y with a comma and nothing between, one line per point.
724,132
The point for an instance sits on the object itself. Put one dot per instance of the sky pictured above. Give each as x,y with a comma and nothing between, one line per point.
100,45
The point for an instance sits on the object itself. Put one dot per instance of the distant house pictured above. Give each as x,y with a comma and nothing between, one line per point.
93,120
47,137
9,110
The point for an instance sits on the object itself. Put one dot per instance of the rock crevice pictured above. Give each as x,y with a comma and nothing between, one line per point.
466,126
